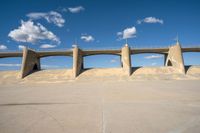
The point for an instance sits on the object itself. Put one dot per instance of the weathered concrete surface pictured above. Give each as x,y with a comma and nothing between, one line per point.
31,58
30,62
168,106
77,61
175,58
126,60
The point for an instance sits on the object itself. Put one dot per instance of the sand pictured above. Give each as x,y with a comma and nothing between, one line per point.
100,101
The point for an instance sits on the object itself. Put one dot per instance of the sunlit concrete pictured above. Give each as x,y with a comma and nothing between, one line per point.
31,59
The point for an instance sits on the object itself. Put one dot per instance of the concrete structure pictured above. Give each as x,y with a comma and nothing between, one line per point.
31,59
126,60
175,58
77,61
30,62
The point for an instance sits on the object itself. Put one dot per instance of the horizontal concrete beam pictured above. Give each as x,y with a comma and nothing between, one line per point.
10,54
153,50
97,52
190,49
54,53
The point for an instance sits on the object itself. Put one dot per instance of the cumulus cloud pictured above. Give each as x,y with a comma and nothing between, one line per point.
127,33
32,33
21,47
3,47
48,46
76,9
153,57
87,38
51,17
150,20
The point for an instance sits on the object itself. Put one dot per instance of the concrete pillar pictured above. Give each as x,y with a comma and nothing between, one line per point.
30,62
126,60
165,59
175,58
77,61
121,63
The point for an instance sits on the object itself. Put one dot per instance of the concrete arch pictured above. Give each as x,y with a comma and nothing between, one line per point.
194,49
10,63
54,53
54,56
169,63
101,54
107,59
11,54
147,57
62,61
162,53
193,57
35,67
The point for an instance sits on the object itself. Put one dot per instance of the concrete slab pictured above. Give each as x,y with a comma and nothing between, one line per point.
106,106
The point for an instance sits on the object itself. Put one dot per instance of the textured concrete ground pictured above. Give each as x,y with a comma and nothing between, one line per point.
99,105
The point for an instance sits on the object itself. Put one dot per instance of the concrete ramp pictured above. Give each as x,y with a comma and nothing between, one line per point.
154,70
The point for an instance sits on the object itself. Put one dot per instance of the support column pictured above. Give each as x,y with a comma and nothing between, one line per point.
175,58
165,59
77,61
126,59
30,62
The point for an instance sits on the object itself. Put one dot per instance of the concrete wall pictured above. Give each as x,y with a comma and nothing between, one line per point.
126,60
175,58
77,61
31,58
30,62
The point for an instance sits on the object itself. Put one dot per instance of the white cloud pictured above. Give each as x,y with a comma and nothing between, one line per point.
76,9
21,46
19,65
49,66
150,20
127,33
113,61
10,65
3,47
51,17
48,46
119,33
87,38
74,46
32,33
153,57
64,10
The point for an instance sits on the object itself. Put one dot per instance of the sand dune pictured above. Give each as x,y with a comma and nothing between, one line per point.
103,74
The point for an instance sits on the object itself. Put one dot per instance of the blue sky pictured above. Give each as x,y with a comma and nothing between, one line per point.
57,24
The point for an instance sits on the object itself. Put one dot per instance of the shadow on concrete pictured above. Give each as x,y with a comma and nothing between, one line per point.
84,70
33,71
24,104
187,68
134,69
